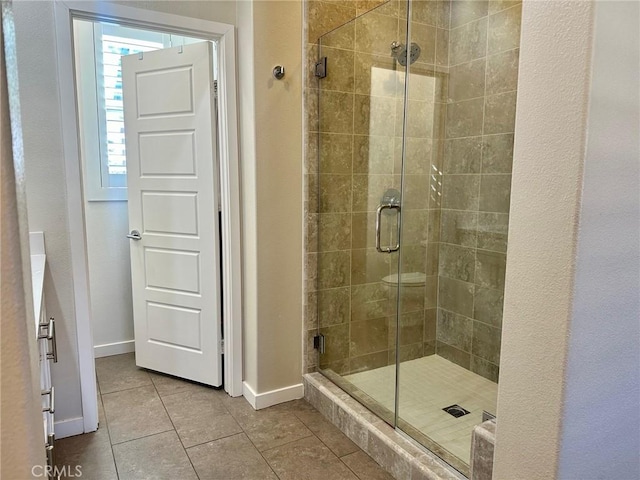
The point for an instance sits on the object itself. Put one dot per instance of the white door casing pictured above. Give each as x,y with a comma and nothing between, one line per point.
173,202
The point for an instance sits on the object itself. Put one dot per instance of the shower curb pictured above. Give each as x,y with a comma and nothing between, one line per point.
391,450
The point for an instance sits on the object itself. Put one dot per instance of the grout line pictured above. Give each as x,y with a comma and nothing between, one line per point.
106,425
176,430
127,389
144,436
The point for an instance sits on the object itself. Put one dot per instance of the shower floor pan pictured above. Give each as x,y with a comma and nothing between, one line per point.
427,385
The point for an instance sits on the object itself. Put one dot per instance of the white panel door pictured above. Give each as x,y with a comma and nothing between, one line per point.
172,181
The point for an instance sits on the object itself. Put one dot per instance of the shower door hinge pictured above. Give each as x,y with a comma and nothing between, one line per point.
318,343
222,345
321,68
215,89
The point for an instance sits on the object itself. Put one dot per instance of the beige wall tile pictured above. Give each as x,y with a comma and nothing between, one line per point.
425,11
385,79
368,191
463,155
336,343
340,70
454,355
504,30
495,193
363,225
457,262
459,227
461,192
368,362
464,119
368,336
487,305
492,231
500,113
468,42
497,153
502,71
336,152
465,11
486,342
455,330
456,296
373,154
334,269
490,269
371,301
485,368
442,47
375,32
373,115
322,17
466,81
335,193
336,112
334,306
369,265
425,37
334,231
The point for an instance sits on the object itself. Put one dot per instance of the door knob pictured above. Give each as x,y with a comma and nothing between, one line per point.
135,235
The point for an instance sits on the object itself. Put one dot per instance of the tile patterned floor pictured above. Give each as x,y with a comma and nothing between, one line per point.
427,385
154,426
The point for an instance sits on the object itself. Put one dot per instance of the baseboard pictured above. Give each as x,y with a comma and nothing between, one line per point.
68,428
272,397
116,348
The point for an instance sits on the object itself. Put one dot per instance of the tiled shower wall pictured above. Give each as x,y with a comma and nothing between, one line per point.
360,158
458,165
478,153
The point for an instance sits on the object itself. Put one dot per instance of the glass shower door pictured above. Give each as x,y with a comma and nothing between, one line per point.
361,109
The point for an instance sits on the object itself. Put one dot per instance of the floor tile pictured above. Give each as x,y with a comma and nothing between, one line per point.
119,372
91,452
271,429
168,385
365,467
330,435
200,416
159,457
307,459
229,458
135,413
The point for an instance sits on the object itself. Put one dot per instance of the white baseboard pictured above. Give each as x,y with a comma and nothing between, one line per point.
116,348
272,397
69,427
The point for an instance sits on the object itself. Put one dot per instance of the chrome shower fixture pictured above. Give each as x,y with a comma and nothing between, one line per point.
399,52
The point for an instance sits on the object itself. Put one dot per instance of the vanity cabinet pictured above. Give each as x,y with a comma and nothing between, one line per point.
46,341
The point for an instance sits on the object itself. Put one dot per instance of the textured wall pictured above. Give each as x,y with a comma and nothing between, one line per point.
601,421
553,88
20,408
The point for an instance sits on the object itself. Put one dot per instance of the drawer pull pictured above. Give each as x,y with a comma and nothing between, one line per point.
51,459
52,400
48,331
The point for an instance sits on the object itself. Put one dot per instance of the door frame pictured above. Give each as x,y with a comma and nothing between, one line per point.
231,273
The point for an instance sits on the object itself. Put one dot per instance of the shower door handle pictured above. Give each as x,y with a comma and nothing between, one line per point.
379,210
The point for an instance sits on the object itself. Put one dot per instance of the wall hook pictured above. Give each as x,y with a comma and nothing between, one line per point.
278,72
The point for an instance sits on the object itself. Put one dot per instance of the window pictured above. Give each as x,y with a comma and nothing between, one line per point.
98,48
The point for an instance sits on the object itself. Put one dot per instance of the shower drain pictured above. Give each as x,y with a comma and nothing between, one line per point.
455,410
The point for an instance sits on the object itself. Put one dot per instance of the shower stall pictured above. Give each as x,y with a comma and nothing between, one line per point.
416,108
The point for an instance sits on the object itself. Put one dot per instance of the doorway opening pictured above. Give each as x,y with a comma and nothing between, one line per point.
154,29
